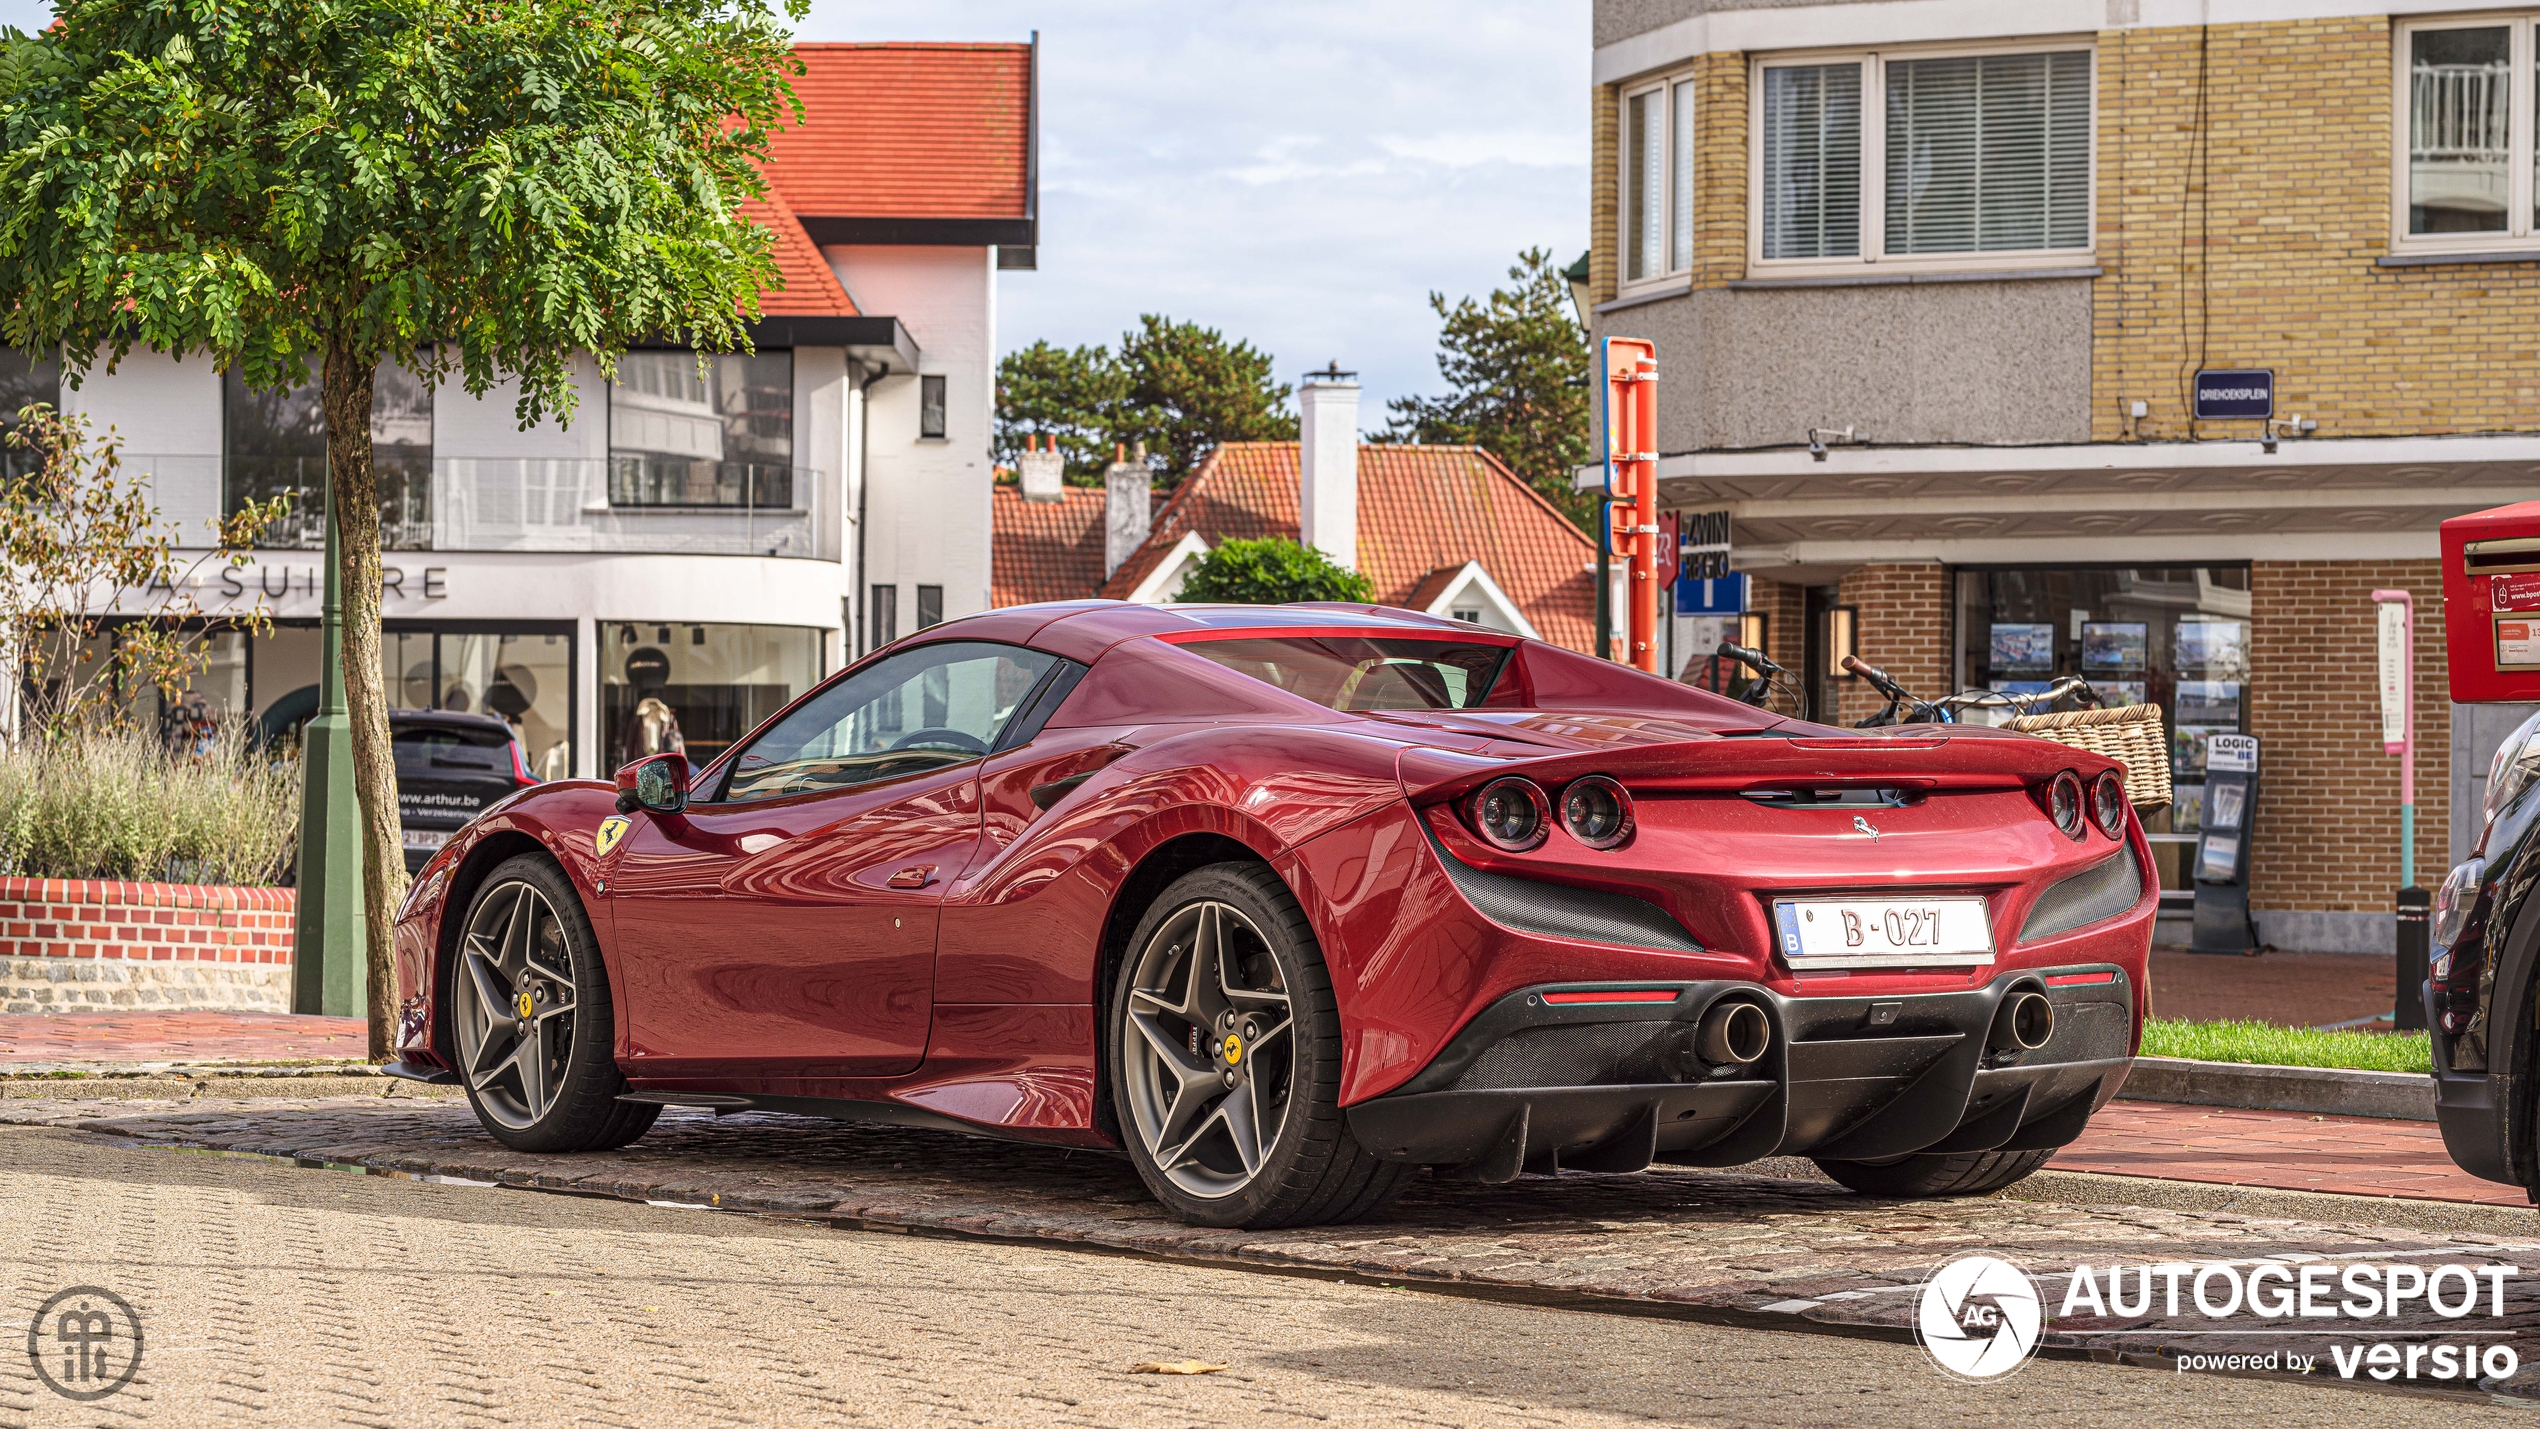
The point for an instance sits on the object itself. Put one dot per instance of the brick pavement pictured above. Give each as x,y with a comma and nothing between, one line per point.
2284,1150
1747,1249
2288,989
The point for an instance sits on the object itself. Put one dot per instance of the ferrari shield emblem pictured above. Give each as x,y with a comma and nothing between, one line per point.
610,831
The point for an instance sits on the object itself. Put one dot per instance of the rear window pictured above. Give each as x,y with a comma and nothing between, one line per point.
1345,672
420,737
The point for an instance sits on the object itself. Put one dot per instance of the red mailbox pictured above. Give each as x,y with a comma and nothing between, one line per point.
2491,604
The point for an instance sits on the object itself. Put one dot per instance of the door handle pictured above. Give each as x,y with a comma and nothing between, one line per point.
1044,795
916,876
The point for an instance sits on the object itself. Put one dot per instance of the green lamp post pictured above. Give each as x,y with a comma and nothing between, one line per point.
328,974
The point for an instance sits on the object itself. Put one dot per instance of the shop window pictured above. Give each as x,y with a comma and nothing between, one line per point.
665,690
930,408
2466,96
710,430
2177,637
1657,180
1967,159
274,444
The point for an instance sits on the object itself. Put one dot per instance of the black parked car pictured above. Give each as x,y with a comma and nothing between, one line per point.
450,768
2485,940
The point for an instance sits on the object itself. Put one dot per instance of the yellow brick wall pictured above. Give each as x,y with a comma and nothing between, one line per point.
1719,198
1603,123
2251,243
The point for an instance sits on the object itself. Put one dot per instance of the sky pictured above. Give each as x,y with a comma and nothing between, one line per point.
1299,175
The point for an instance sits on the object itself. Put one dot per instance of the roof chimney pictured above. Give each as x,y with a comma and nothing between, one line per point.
1043,471
1128,507
1327,464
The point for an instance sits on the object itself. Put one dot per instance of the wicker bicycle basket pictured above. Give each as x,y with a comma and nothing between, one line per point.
2132,735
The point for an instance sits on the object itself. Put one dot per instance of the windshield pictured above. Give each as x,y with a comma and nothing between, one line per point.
1345,672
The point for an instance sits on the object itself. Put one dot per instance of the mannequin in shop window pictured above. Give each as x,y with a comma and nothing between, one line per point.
656,724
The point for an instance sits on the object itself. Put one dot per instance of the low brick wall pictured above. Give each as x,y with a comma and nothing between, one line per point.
93,945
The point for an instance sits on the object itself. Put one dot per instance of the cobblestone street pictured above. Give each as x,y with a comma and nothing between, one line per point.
276,1294
97,1192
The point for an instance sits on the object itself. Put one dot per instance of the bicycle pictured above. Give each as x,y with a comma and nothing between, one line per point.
1992,706
1770,679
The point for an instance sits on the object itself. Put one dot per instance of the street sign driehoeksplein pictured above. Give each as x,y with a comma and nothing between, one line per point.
2235,396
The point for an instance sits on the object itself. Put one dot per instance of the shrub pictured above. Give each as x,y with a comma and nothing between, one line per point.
115,803
1272,571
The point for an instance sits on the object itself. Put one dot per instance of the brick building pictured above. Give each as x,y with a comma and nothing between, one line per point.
1932,285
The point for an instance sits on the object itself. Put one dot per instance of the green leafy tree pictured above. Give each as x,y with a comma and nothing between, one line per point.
276,184
1074,395
1272,571
1516,368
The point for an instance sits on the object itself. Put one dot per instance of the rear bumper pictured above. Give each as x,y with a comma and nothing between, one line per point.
1612,1086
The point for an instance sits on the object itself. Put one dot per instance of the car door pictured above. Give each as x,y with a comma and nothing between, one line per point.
784,925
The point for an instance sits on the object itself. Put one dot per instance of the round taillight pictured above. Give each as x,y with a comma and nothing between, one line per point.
2063,802
2107,803
1511,815
1597,812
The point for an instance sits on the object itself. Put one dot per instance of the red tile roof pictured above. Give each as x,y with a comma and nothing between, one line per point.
1422,510
909,131
811,287
1045,550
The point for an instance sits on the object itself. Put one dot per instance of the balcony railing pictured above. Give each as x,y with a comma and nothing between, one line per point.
508,504
2459,113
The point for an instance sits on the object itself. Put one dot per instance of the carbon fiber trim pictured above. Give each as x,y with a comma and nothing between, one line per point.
2103,890
1556,910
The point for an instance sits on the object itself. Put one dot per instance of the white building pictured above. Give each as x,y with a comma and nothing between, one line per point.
718,540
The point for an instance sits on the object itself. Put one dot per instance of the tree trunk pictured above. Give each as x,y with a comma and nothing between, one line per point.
346,393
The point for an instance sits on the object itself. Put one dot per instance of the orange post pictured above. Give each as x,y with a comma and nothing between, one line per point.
1629,513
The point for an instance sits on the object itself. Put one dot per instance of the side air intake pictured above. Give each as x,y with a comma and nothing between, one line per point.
1556,910
2103,890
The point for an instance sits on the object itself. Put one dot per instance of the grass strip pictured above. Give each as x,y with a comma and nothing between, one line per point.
2264,1042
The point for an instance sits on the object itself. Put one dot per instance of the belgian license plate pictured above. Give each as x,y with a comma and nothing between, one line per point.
1865,932
426,838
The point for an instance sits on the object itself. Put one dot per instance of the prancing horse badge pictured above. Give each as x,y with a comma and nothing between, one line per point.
610,831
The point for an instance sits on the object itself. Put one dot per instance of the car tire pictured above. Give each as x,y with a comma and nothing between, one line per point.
1170,1071
1973,1173
527,935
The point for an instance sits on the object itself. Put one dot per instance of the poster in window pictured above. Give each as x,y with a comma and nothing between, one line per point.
2113,645
2187,748
2214,702
2027,648
2227,800
2215,649
2187,808
2120,692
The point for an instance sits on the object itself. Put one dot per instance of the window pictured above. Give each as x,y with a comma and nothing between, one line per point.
1941,160
720,433
274,444
930,708
1354,673
2466,92
1657,181
663,689
930,606
930,408
882,617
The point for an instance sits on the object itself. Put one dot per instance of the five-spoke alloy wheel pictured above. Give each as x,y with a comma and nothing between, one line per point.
530,1009
1226,1060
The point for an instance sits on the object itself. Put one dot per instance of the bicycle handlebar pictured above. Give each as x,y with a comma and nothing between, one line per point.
1754,660
1878,678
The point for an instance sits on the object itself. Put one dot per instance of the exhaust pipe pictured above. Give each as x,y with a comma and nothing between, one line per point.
2024,1023
1733,1034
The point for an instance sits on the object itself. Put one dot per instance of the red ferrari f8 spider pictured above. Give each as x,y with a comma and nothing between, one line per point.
1289,902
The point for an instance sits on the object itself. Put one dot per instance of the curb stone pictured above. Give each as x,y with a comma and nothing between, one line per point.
2395,1096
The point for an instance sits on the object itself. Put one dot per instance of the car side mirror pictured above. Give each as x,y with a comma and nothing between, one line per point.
658,784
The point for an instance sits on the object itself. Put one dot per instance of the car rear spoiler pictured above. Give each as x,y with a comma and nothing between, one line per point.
1922,758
